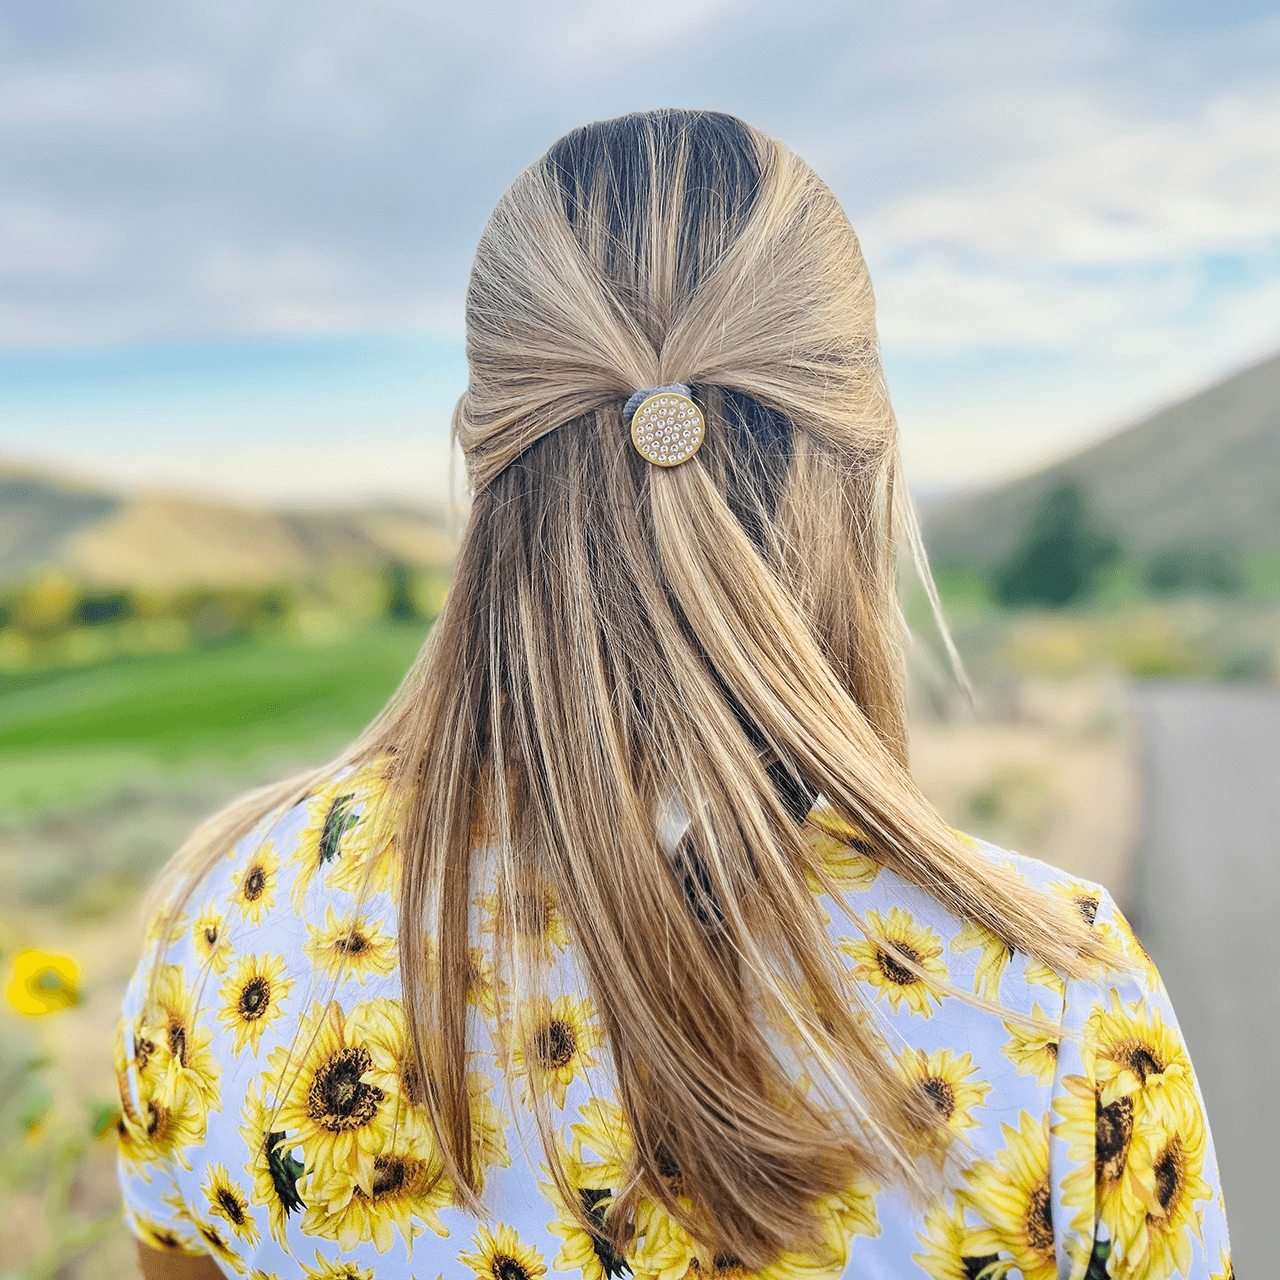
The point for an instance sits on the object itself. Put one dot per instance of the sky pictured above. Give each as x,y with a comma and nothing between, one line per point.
234,238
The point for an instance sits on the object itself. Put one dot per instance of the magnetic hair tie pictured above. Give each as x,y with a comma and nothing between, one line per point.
667,428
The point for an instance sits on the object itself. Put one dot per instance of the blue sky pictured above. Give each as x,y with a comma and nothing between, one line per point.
234,237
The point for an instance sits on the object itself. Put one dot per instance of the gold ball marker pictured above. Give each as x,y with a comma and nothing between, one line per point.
668,429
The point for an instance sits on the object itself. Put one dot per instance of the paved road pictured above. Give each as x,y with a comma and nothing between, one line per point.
1206,900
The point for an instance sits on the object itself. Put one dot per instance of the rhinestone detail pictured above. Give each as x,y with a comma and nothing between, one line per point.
667,429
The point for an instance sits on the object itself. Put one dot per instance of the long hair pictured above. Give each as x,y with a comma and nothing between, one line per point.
720,639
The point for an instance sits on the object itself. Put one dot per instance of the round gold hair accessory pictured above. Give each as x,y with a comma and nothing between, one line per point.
667,428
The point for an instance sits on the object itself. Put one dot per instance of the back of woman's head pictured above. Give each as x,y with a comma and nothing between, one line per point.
716,642
644,675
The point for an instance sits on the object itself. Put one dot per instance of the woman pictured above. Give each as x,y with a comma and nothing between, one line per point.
621,942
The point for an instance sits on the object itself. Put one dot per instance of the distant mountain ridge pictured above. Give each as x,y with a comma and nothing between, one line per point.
1206,469
165,542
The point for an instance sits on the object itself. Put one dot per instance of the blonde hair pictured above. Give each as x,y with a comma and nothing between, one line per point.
723,636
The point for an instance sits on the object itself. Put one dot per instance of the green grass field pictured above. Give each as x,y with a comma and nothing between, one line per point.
67,736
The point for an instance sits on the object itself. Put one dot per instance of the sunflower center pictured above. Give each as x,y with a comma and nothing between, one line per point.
351,944
669,1167
393,1173
255,997
142,1051
231,1205
1039,1220
1087,906
177,1037
555,1044
941,1093
338,1099
255,882
893,969
1171,1174
1114,1127
211,936
505,1267
1142,1062
157,1118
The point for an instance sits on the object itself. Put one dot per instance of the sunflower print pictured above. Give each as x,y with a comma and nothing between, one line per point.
227,1201
1033,1050
1225,1270
531,914
553,1044
499,1255
253,998
943,1079
164,922
1157,1215
209,933
271,1164
403,1187
353,944
171,1023
255,891
993,959
879,959
1012,1197
840,854
331,814
328,1164
381,1027
337,1269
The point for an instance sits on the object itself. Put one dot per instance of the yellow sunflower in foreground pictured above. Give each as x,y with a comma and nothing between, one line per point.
252,997
1011,1196
350,944
229,1203
1098,1147
338,1269
381,1027
943,1079
1130,1050
532,914
271,1165
1156,1214
992,962
328,1107
879,959
552,1044
170,1021
401,1190
1083,899
43,982
209,934
255,890
500,1255
331,814
1033,1052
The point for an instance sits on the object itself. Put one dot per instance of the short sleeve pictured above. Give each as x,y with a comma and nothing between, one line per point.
1136,1193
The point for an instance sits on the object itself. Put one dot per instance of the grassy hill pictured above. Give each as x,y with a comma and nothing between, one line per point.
166,542
1204,470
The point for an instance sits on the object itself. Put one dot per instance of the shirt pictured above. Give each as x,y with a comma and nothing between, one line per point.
267,1119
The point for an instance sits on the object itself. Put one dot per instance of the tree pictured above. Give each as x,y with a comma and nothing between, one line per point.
1061,551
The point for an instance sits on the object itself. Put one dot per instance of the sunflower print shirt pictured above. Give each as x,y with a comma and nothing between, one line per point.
269,1119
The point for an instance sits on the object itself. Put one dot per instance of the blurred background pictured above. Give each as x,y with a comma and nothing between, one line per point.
234,240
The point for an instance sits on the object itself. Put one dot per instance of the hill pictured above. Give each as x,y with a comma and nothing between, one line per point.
1205,469
164,542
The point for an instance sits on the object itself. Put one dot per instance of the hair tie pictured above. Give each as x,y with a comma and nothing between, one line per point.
667,428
